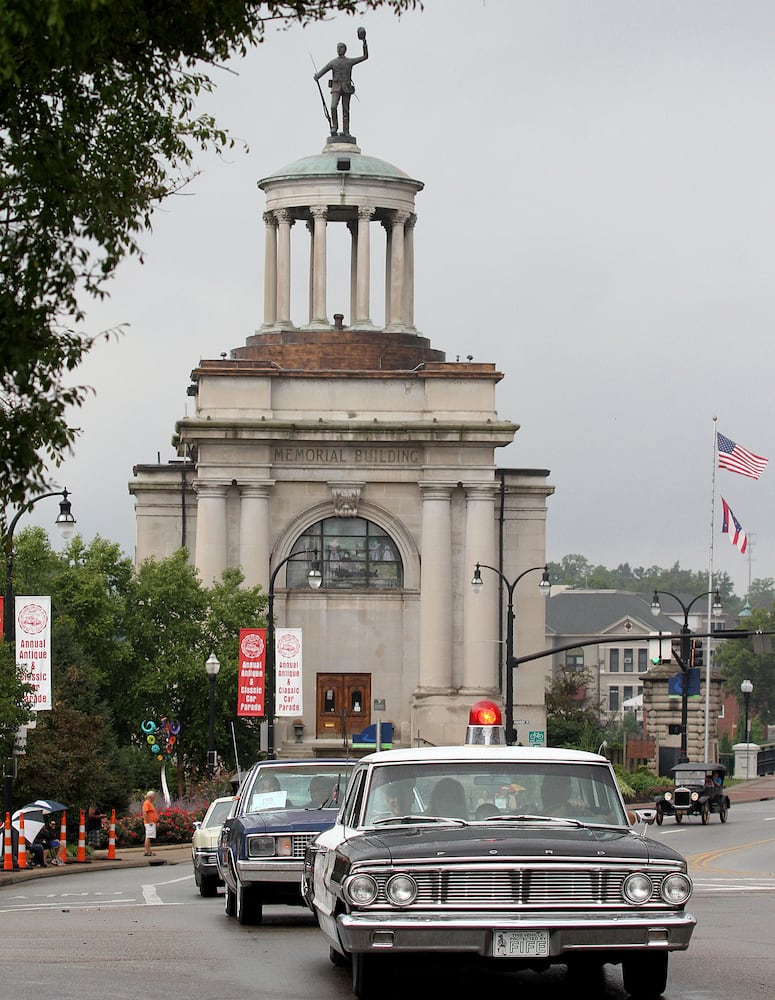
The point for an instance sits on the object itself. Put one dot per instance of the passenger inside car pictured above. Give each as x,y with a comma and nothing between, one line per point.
448,799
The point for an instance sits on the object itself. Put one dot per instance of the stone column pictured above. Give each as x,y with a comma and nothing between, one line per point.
480,610
210,556
319,215
396,312
284,267
409,271
352,228
363,268
436,588
388,262
254,547
270,269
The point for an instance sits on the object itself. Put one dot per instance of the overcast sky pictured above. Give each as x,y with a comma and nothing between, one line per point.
597,220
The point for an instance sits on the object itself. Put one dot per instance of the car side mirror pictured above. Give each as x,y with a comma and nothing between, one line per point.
646,816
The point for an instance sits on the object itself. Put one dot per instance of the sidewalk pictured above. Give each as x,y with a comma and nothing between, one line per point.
129,857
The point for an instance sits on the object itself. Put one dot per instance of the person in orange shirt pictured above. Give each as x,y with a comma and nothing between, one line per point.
150,819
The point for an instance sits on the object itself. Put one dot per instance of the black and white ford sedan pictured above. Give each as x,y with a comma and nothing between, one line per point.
513,854
283,805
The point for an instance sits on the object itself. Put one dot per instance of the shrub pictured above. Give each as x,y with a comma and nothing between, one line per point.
175,826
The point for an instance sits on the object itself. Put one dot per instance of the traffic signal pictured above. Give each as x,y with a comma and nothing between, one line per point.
697,653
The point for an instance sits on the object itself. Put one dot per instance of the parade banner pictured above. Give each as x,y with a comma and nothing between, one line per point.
288,700
252,670
33,647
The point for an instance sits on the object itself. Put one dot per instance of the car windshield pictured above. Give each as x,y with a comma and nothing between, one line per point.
476,791
296,786
217,813
696,777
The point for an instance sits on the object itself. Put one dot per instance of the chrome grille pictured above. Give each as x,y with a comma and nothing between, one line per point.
299,843
500,887
682,797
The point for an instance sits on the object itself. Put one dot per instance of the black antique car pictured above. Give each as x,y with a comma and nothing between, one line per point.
509,856
699,791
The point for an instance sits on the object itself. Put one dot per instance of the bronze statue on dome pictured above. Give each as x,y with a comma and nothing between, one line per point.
341,84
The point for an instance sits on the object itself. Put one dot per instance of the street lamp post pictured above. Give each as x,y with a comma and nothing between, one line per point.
545,587
685,654
212,666
66,524
746,687
314,579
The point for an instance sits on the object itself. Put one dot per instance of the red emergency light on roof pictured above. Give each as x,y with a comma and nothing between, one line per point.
485,725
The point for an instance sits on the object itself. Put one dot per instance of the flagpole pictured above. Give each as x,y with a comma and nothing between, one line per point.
708,658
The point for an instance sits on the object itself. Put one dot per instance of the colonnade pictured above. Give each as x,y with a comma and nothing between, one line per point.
441,602
399,267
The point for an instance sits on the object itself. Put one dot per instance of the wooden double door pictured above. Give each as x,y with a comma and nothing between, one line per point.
343,702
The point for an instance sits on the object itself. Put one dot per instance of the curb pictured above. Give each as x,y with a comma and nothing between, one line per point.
132,857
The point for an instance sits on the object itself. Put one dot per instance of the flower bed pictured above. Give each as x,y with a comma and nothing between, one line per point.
175,826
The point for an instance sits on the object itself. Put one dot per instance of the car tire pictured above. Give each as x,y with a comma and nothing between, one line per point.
230,903
208,885
660,815
337,958
705,814
679,817
369,981
249,910
645,976
723,813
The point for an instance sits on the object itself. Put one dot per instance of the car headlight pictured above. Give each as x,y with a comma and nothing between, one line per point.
695,796
668,796
637,888
362,890
676,889
401,890
269,847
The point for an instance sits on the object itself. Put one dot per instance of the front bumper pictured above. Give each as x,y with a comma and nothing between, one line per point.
646,930
206,861
287,870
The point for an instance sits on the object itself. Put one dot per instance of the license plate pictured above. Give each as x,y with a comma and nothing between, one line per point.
520,944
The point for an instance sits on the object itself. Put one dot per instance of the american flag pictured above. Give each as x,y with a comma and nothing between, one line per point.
738,459
732,527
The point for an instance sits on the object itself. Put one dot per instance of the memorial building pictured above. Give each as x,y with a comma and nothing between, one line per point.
344,440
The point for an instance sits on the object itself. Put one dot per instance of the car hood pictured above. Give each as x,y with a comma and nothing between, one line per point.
289,820
544,841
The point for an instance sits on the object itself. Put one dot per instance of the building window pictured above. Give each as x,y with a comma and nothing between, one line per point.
353,554
613,661
643,661
628,692
629,666
574,661
613,699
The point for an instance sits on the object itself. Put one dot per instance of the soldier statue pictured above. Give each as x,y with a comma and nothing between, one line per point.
341,83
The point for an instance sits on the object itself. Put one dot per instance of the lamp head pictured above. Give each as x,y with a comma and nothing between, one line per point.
656,607
65,520
212,665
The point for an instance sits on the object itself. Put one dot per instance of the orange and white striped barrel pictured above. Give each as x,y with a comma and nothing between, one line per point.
21,854
112,836
62,852
82,837
7,845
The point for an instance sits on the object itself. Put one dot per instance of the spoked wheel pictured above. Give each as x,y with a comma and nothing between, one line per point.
679,817
660,815
723,813
249,908
705,814
645,976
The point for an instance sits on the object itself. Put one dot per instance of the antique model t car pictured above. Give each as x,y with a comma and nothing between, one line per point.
699,791
515,856
283,805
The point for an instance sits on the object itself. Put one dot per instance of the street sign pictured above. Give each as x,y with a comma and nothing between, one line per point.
536,737
522,722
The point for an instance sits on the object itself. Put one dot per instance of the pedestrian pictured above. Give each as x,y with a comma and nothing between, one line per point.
93,826
150,819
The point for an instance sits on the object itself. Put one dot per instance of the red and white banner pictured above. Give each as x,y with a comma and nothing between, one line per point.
288,700
33,647
252,671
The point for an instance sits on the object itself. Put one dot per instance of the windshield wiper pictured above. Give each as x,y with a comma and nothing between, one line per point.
529,818
414,818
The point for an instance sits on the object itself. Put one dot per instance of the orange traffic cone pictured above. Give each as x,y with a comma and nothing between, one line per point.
62,853
81,838
112,837
7,845
21,854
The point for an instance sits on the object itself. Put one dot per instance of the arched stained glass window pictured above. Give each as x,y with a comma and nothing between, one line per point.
353,554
